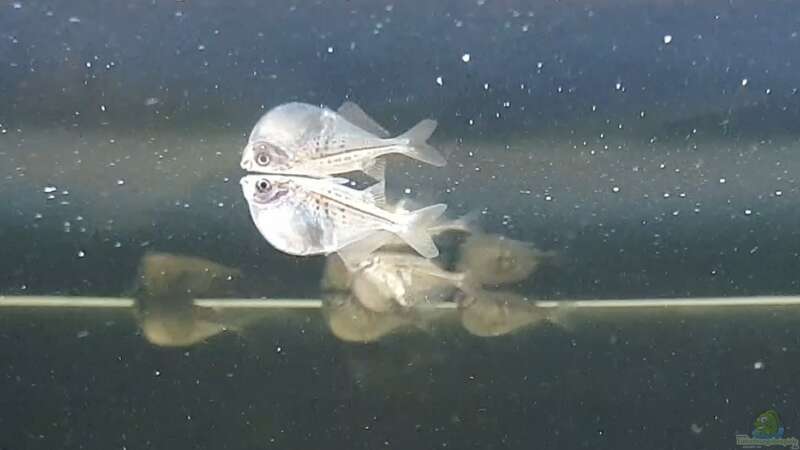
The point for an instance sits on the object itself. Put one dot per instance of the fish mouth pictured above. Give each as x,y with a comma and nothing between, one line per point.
246,164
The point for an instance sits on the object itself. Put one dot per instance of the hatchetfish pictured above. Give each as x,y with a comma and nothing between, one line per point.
302,139
310,216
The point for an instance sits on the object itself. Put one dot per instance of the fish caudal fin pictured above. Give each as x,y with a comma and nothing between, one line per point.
418,148
416,234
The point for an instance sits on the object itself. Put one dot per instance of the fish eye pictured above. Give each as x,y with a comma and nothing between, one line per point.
263,185
262,159
763,419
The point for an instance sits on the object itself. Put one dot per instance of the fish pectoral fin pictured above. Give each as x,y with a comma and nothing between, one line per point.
355,115
376,193
376,169
416,234
360,250
416,145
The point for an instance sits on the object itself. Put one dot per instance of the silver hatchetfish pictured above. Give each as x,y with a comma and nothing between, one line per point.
310,216
302,139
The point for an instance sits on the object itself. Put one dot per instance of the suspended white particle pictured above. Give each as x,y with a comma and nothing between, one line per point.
667,39
439,81
465,57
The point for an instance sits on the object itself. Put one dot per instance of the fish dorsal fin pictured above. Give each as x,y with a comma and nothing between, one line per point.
355,115
376,169
377,193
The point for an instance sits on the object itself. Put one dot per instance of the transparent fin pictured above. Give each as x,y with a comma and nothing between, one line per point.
376,193
337,180
376,169
416,146
468,223
416,233
355,115
359,251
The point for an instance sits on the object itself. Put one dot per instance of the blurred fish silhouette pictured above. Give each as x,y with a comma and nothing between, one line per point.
496,260
303,139
166,287
387,280
350,321
497,313
308,216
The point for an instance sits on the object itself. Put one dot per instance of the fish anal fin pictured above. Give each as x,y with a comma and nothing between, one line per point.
376,193
356,252
355,115
376,169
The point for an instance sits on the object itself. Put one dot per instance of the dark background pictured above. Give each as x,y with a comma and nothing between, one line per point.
560,103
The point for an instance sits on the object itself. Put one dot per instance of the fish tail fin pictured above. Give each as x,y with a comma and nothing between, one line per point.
415,232
417,146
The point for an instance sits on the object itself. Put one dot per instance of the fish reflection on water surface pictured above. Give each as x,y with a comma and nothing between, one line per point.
309,216
165,291
303,139
350,321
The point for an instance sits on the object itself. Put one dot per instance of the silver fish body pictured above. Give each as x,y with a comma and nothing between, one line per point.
303,139
310,216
